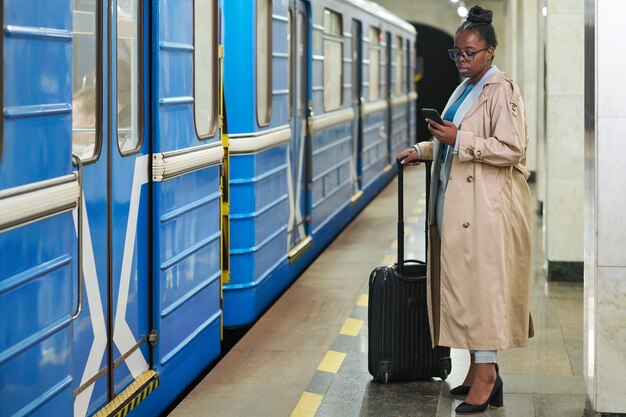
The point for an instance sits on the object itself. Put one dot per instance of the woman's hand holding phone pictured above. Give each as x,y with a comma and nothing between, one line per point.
443,130
432,114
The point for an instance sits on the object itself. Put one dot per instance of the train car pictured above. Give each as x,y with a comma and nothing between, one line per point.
110,204
116,237
317,107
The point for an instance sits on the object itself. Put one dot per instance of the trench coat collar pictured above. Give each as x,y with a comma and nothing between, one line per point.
475,97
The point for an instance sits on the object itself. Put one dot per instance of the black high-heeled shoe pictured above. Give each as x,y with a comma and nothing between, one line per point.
464,389
496,400
460,390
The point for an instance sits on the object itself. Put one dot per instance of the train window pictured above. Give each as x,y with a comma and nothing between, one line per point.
374,64
333,60
128,76
301,40
1,84
291,33
356,60
406,68
205,89
264,62
405,59
399,67
407,65
85,91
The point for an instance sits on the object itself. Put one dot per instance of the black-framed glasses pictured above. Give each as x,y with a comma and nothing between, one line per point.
466,55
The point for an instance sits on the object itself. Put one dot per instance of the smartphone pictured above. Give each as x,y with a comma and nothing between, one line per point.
433,115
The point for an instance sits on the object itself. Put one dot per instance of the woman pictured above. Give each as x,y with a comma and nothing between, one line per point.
479,221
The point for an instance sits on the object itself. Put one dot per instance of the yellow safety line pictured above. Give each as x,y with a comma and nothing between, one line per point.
307,405
332,361
388,260
411,219
351,327
418,210
421,201
407,230
362,300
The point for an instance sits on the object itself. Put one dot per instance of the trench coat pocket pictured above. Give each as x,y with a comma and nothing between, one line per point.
494,183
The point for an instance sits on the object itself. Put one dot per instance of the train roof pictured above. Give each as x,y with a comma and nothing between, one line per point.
380,11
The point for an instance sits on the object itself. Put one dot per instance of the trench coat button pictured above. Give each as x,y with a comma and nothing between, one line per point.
466,225
479,154
470,178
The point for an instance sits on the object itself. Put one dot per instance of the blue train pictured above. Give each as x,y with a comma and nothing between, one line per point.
167,169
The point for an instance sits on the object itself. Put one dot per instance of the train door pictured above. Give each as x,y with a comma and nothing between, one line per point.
129,200
299,154
186,174
357,105
111,339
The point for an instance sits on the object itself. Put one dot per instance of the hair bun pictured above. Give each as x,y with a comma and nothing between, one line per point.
479,15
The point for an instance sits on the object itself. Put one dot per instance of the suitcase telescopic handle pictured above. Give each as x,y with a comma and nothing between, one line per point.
401,211
400,216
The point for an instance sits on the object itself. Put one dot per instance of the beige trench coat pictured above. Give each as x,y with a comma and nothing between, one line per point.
479,269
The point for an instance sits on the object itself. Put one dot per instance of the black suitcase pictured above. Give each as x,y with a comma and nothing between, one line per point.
399,341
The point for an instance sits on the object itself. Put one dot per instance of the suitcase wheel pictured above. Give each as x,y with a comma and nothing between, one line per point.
445,366
384,372
383,378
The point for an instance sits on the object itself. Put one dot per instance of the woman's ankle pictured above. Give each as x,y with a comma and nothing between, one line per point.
486,372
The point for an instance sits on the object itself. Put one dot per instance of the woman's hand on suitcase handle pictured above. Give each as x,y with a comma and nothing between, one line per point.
409,157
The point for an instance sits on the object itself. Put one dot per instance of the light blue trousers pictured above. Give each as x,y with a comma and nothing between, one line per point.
485,356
